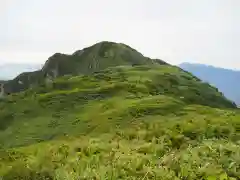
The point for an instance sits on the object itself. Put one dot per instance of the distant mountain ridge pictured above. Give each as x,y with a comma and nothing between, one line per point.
11,70
226,80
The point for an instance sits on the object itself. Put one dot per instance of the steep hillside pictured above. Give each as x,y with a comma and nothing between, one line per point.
120,123
86,61
226,80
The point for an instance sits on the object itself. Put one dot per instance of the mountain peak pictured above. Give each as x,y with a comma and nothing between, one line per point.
94,58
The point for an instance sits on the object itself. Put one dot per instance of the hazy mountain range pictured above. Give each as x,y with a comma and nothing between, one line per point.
226,80
11,70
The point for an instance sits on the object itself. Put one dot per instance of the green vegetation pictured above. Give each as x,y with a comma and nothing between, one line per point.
141,122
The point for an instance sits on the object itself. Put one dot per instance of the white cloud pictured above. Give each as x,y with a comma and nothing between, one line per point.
203,31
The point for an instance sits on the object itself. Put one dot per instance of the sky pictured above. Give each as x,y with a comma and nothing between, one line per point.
197,31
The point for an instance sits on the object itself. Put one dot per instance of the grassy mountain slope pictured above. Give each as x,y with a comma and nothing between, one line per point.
127,84
86,61
142,122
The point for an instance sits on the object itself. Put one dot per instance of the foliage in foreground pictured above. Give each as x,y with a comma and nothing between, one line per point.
123,123
192,146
